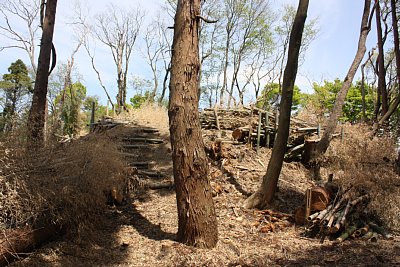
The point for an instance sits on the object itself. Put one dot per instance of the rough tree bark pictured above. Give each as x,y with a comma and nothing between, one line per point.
323,145
197,223
37,113
266,192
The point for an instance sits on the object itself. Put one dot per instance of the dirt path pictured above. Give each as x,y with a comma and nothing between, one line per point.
142,232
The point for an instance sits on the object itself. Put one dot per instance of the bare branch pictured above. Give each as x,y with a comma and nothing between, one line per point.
206,20
22,12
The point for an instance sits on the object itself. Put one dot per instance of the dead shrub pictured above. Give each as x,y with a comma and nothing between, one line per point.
365,163
65,184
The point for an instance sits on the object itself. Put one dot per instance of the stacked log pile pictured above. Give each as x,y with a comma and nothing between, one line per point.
105,123
258,127
341,218
229,119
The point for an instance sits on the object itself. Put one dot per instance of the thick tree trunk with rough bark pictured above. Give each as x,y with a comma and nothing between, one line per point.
265,194
37,113
337,109
196,214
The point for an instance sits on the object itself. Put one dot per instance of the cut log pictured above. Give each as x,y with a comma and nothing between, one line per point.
348,232
307,130
156,174
295,151
320,198
159,185
368,234
129,155
239,134
149,130
310,148
299,216
362,231
144,140
322,214
15,243
139,165
379,230
135,146
313,216
331,216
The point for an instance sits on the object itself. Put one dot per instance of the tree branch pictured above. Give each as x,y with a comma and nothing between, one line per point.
205,19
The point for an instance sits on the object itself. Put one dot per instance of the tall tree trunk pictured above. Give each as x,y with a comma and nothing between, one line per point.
37,113
396,49
226,62
167,71
285,44
197,225
266,192
381,62
323,145
364,115
378,99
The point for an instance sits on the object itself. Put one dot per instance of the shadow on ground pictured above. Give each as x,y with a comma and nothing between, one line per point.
349,253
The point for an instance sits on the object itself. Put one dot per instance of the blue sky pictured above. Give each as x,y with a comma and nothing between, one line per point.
328,57
331,54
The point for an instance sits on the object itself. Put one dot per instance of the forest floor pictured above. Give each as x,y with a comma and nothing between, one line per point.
142,232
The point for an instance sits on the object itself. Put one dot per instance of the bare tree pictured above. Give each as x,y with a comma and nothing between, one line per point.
197,223
67,73
323,145
166,58
156,45
15,13
118,29
233,12
37,113
396,49
254,17
261,69
381,60
209,34
266,192
283,33
363,79
92,60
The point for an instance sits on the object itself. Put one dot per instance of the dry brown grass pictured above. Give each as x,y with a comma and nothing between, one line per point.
63,184
150,115
66,184
365,163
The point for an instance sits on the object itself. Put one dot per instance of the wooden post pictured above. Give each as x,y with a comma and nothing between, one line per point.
249,141
266,129
92,117
308,203
259,130
216,118
108,102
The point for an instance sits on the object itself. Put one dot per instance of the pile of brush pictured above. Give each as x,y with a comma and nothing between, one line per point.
342,218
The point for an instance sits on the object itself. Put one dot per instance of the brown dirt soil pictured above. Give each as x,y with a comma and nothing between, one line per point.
142,232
